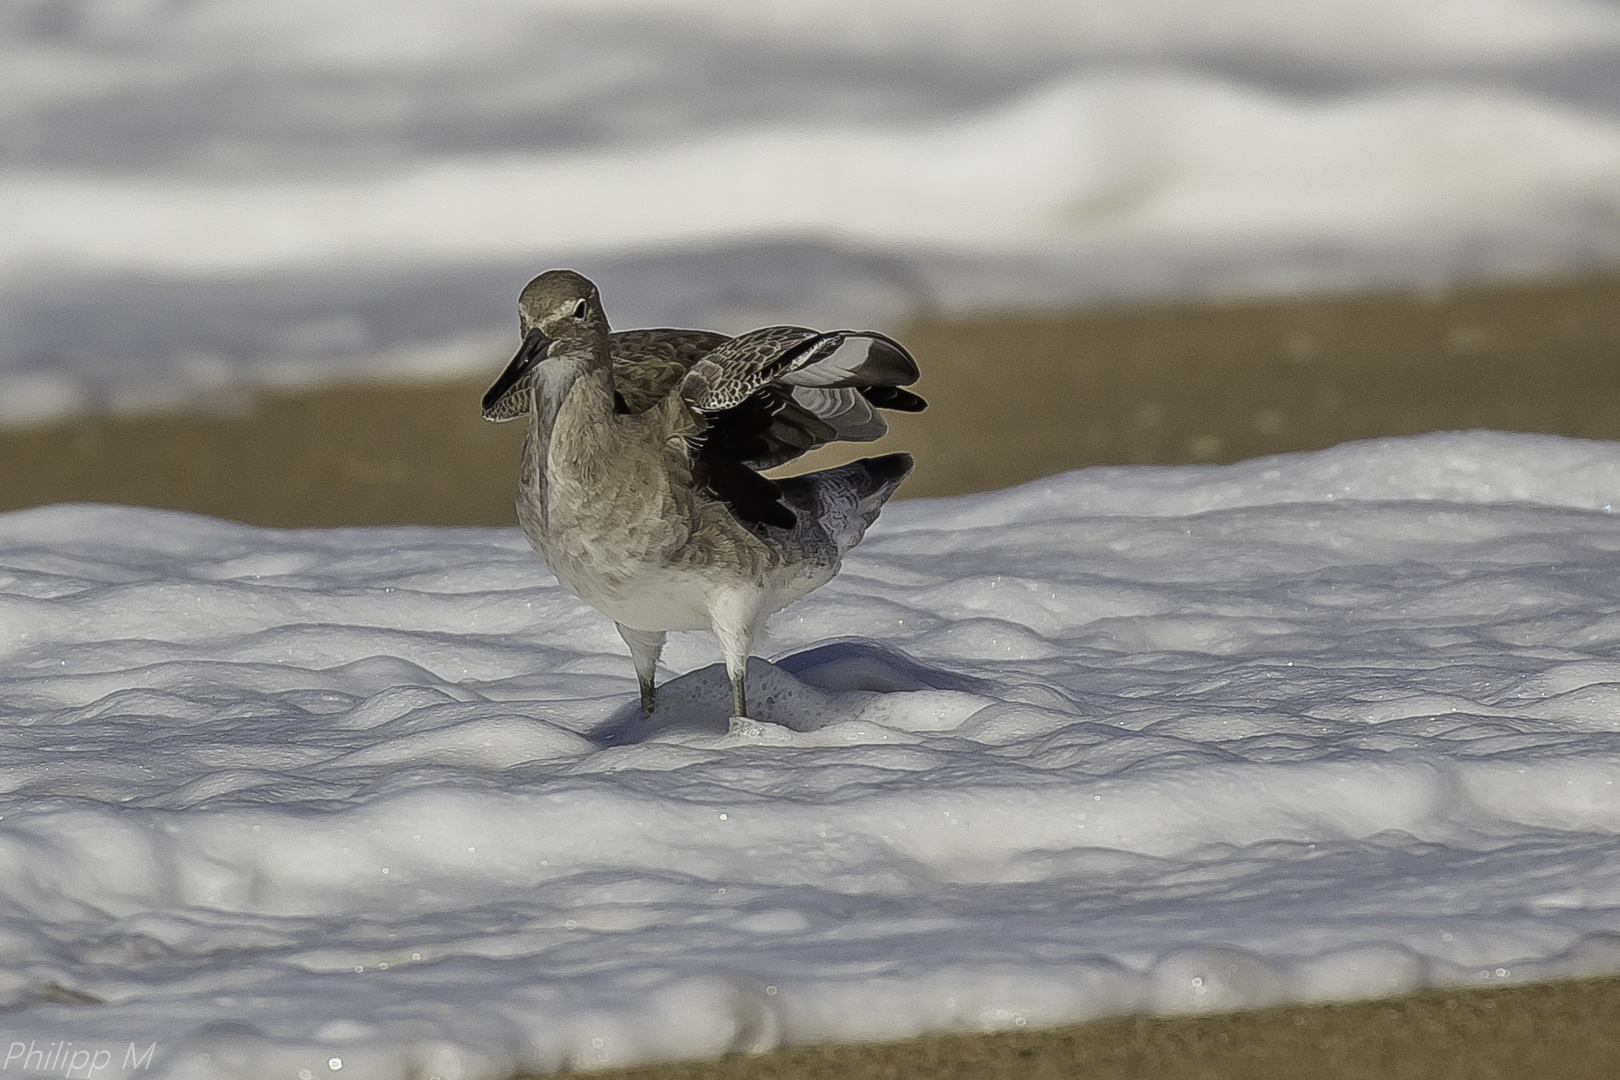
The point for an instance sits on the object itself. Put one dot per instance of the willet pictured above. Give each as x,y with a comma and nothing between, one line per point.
640,484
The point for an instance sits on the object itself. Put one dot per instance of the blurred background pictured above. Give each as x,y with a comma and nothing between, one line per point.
259,258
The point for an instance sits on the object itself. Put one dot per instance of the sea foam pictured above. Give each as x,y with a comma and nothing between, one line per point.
1184,739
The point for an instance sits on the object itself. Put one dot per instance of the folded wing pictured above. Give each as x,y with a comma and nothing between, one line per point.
649,364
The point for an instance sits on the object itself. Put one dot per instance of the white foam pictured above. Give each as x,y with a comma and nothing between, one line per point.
1320,727
1119,160
223,194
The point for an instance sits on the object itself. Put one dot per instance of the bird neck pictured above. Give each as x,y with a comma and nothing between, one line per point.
583,378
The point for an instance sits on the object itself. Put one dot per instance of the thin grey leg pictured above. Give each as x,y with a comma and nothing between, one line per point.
736,617
645,647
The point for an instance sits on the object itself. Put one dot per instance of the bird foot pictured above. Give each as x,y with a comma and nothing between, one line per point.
745,730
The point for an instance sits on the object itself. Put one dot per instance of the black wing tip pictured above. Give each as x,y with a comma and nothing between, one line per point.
892,397
888,363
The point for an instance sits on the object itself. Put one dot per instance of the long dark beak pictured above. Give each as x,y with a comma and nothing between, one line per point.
529,354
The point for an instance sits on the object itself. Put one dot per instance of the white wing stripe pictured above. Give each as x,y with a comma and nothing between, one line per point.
843,362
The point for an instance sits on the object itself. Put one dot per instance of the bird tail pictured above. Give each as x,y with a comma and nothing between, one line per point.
843,502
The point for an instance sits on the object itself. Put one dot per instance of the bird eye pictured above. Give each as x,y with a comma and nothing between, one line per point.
579,310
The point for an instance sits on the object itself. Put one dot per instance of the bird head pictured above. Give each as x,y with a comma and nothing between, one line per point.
559,312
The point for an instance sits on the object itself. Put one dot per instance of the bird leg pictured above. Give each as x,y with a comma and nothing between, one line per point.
739,694
736,616
645,647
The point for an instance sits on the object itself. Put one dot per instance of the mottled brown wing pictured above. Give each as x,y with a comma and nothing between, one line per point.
648,364
794,356
729,374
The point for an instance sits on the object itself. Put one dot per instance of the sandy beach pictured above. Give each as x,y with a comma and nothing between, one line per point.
1013,397
1561,1029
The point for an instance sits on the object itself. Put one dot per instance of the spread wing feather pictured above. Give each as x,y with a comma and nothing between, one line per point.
862,358
795,356
770,395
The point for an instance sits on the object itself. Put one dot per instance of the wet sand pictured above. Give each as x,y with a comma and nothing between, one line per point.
1550,1031
1013,397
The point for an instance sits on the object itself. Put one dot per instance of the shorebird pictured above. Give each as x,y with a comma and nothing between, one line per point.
641,487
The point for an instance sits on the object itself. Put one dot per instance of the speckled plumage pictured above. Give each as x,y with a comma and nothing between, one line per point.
638,485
